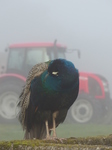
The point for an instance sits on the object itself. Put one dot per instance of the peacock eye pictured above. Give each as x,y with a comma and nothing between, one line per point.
55,73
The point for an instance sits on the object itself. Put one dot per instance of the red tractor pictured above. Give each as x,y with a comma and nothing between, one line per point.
93,96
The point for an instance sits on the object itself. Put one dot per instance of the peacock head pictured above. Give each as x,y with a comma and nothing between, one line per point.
61,73
61,68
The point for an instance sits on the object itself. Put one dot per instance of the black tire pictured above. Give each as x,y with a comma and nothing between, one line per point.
85,109
9,96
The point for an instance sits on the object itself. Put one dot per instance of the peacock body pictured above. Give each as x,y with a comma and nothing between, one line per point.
51,88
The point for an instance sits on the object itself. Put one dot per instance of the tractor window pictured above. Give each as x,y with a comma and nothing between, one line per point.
61,54
35,56
16,59
55,53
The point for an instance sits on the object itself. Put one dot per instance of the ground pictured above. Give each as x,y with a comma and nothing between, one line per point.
90,143
79,136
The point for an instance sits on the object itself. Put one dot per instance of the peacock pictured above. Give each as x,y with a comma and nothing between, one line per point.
50,90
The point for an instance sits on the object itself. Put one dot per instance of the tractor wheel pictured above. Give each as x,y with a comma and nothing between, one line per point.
84,109
9,96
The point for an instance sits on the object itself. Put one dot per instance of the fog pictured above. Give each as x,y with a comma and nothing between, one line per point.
81,24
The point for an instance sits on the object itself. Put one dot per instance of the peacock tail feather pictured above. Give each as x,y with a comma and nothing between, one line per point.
36,71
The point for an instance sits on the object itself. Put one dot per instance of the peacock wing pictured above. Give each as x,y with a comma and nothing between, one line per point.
36,71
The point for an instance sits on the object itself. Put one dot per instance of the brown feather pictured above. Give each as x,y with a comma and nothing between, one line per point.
36,71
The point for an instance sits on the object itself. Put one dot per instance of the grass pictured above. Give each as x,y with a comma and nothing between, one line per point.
10,132
83,130
15,132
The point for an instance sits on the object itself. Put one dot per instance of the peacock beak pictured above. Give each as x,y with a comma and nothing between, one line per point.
55,73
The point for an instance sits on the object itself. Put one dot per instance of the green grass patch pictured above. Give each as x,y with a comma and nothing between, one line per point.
83,130
11,132
15,132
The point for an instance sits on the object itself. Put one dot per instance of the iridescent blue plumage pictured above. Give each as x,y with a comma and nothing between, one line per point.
51,95
60,81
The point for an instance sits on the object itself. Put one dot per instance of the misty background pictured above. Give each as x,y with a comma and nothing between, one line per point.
82,24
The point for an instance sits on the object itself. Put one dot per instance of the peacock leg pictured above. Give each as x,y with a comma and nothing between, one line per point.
47,130
54,124
54,127
48,137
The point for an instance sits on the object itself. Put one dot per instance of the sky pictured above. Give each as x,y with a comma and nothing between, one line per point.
81,24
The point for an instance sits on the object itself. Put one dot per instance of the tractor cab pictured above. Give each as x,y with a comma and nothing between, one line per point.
22,57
